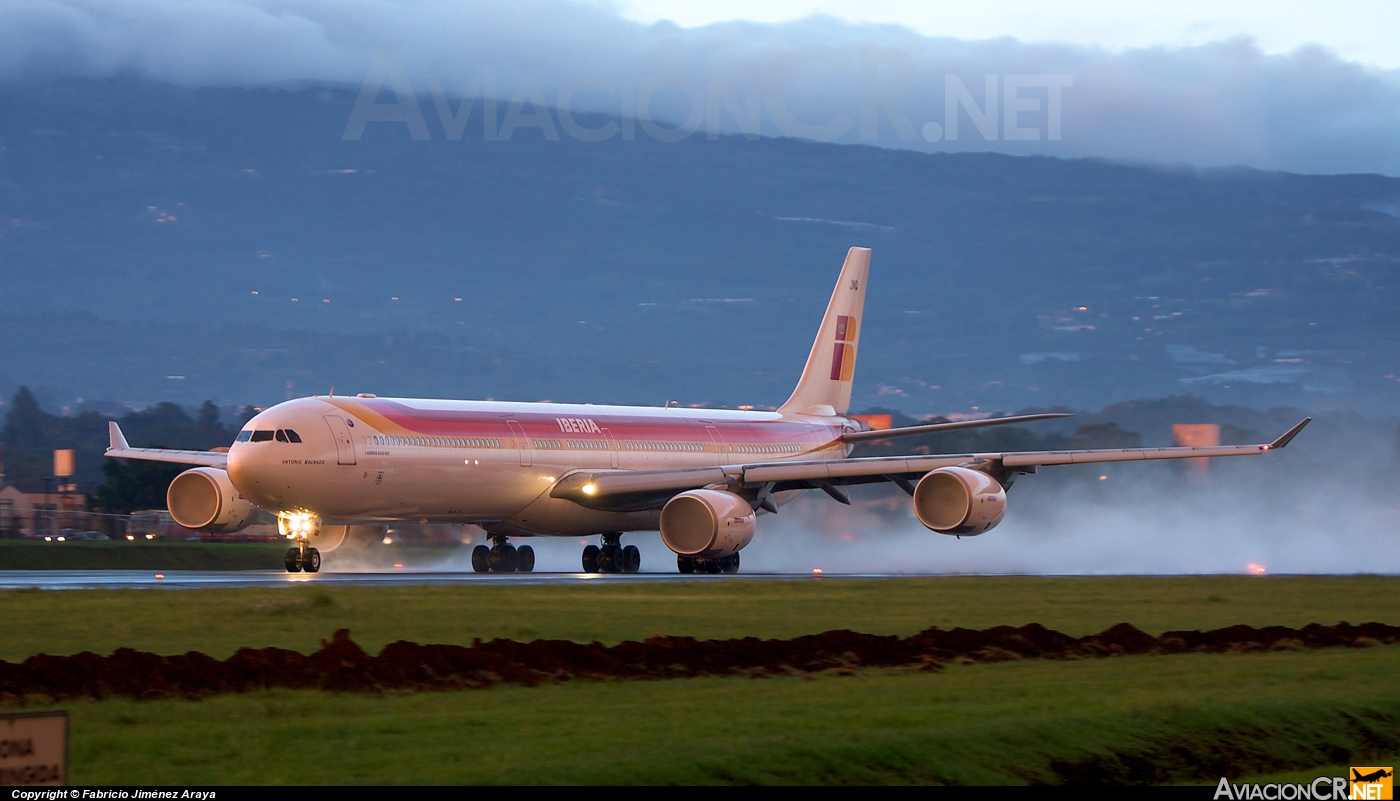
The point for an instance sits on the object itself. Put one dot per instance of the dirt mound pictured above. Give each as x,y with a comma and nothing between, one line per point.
341,665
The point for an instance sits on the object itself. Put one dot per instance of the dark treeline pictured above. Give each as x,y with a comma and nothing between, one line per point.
31,435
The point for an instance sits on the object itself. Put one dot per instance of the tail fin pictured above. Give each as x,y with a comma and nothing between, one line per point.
825,386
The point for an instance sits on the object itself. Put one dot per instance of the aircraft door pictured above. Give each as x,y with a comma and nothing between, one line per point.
722,455
522,444
612,447
344,444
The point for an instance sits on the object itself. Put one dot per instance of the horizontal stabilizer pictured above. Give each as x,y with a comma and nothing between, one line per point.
866,436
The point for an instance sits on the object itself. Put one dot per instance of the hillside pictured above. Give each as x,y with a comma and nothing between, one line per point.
141,218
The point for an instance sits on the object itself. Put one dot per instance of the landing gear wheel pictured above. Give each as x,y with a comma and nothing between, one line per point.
730,563
293,560
481,559
685,564
524,559
610,559
631,559
712,566
590,559
311,561
503,559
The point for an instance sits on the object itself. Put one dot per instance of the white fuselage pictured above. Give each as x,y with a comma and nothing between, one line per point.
364,459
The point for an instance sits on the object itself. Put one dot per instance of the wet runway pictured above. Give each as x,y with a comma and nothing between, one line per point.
203,579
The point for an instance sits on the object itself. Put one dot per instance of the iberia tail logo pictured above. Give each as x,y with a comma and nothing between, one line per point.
843,357
1373,784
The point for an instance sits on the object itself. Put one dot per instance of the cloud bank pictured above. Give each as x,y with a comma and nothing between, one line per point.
1217,104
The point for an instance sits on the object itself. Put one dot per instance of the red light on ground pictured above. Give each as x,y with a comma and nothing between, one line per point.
816,571
398,564
1257,570
160,577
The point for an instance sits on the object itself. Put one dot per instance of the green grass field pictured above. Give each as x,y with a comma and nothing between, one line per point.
1187,718
299,616
1000,723
139,555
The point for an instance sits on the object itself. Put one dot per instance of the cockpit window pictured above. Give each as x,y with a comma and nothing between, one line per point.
244,435
293,436
287,435
281,435
262,436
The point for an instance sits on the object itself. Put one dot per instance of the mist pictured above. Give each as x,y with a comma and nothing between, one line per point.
1143,519
1220,103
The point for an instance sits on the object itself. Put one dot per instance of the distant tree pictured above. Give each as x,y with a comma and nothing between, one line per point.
133,485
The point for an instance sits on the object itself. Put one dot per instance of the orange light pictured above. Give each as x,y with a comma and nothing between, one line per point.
816,571
160,577
398,564
1103,478
1257,570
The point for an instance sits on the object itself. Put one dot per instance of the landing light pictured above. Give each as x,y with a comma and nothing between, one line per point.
388,540
588,489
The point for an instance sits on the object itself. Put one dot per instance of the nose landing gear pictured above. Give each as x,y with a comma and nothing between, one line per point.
612,557
502,557
303,558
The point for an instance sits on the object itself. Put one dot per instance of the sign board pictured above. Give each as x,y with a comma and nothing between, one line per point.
34,748
63,464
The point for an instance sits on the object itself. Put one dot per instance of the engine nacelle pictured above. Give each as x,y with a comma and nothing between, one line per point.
956,500
204,499
706,523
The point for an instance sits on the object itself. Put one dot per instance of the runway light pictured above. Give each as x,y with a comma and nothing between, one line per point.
398,564
62,539
1103,478
160,577
131,538
816,571
48,539
150,536
1257,570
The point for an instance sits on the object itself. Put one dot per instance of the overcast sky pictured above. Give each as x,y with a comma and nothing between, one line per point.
1280,85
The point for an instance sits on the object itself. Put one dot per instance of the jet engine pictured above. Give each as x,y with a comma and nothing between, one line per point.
706,523
956,500
205,500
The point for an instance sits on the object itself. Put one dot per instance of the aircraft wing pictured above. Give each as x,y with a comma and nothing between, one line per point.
622,490
119,449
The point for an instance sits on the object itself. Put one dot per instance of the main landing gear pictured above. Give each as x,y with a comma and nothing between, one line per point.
695,564
502,557
303,558
613,557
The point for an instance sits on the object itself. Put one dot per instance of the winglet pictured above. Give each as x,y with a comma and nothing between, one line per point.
1278,443
116,440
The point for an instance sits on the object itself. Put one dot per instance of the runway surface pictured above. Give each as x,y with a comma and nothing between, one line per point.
200,579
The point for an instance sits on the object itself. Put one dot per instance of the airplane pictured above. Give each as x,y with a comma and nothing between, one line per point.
1374,776
336,469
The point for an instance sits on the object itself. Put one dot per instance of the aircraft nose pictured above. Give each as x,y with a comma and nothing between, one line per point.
245,468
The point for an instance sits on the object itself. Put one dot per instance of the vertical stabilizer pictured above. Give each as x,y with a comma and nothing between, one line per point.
825,387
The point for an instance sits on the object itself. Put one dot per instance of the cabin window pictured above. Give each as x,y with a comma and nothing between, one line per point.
262,436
